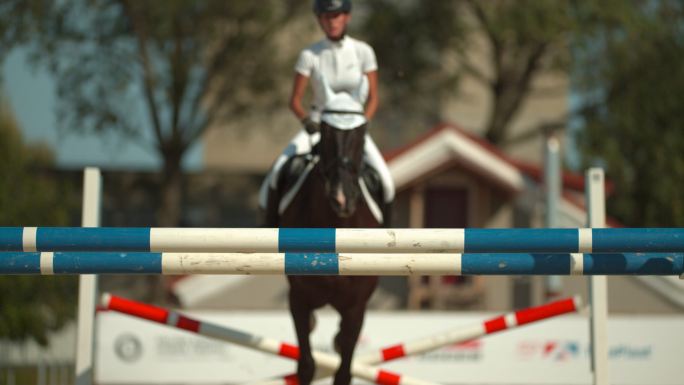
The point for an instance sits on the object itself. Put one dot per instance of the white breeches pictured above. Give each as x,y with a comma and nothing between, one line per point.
302,144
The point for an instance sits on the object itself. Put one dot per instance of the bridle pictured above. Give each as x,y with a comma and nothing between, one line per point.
341,160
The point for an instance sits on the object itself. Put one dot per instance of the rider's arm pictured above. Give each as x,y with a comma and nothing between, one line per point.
372,101
298,90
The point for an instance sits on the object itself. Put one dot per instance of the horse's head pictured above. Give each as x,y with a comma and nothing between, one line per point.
343,130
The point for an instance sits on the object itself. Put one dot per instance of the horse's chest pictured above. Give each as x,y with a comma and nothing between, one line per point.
341,292
310,208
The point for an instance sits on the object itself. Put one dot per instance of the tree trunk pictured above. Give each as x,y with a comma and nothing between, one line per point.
169,214
506,103
515,69
171,190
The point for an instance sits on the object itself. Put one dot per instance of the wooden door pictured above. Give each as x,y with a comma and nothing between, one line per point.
446,207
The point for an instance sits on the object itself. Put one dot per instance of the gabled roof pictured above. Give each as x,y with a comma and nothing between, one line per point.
448,143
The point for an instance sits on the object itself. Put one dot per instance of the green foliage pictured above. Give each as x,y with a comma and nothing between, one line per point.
27,196
631,73
31,306
19,21
411,40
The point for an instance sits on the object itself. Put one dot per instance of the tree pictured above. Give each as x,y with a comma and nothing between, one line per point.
525,38
630,75
161,72
31,306
520,39
413,77
18,21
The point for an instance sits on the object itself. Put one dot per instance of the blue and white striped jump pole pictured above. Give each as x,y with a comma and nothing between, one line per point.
48,263
261,240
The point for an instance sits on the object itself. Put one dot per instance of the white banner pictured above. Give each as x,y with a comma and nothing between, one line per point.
643,350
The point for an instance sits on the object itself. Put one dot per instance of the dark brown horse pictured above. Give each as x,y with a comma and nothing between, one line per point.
330,197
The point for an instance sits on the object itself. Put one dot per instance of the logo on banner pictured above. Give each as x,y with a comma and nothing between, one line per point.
549,350
562,351
128,347
469,351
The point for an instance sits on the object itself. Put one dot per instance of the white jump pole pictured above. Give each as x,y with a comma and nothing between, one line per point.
58,263
87,289
267,345
331,240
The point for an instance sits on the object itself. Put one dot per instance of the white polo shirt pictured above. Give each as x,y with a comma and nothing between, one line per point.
343,64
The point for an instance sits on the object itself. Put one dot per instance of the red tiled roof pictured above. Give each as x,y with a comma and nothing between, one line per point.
571,180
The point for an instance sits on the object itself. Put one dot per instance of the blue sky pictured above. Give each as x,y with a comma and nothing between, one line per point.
31,93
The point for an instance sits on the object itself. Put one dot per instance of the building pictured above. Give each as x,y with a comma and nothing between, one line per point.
451,178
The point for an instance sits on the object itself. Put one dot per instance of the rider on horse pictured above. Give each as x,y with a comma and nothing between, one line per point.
343,64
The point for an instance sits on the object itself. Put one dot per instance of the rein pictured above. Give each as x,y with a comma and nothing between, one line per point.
342,112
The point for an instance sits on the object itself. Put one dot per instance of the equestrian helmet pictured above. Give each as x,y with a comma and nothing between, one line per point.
324,6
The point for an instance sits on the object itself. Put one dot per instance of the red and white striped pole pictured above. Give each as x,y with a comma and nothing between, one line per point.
462,334
207,329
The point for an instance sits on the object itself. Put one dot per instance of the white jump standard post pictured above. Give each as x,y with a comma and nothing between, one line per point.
598,285
87,287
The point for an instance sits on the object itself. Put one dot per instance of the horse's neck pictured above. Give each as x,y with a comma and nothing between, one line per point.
311,208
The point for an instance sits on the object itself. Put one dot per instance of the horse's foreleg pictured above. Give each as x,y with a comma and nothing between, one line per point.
301,315
345,341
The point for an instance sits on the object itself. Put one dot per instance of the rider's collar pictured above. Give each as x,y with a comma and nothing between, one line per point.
337,43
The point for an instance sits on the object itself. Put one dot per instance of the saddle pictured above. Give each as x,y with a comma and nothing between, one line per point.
297,169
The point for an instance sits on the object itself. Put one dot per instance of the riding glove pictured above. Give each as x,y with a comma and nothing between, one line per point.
310,126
